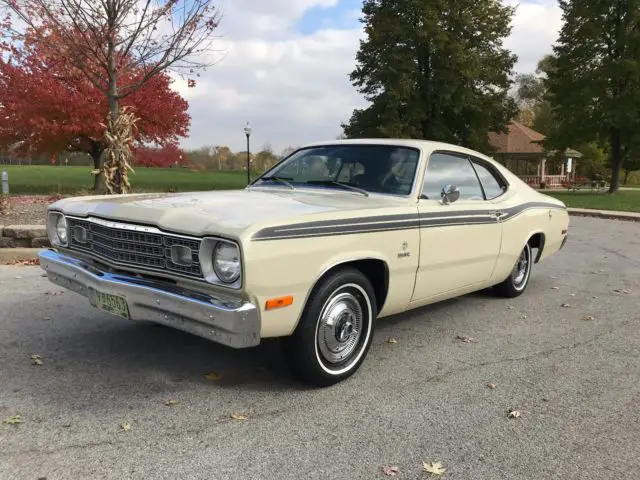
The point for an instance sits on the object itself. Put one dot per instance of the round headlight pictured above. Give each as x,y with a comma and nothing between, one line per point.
61,229
226,262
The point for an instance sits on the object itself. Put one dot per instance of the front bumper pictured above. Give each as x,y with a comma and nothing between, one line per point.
233,323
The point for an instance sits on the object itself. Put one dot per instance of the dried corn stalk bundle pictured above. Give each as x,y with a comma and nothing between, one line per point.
119,137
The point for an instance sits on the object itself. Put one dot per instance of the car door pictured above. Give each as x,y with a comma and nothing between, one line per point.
459,241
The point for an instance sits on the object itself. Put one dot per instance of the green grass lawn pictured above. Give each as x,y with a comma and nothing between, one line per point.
623,201
67,180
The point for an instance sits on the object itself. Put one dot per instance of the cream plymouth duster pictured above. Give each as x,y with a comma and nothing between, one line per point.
337,235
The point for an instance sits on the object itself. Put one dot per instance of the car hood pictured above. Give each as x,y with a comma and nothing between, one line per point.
230,213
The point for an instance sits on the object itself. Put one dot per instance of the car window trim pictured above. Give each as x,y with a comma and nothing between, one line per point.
493,171
484,192
453,154
414,182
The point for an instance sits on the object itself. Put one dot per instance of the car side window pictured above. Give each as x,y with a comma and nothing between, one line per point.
493,187
447,169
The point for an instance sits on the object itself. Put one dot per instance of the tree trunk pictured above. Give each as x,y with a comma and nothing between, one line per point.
616,160
96,156
626,176
112,97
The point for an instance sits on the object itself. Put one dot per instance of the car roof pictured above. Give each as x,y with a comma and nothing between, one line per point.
399,142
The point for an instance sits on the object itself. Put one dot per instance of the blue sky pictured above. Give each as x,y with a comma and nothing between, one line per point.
283,65
343,15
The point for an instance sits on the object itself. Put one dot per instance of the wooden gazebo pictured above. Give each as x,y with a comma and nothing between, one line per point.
521,151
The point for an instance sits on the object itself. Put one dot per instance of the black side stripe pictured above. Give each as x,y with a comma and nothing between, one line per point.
395,222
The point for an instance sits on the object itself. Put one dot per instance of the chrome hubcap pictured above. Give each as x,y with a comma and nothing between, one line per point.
521,268
340,327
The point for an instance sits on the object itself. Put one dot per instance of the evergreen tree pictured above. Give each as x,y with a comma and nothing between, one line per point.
595,80
434,69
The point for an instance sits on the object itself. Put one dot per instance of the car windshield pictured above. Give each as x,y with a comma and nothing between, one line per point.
359,168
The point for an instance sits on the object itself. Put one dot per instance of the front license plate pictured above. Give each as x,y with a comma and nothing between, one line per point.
110,303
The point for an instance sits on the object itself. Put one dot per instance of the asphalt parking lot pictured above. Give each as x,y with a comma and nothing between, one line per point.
572,372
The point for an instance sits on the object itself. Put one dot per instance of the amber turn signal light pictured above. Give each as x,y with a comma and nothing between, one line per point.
278,302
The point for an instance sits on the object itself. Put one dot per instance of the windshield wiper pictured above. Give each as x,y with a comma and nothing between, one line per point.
279,179
343,185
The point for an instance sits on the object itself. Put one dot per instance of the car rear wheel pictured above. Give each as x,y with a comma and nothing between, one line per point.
335,331
517,281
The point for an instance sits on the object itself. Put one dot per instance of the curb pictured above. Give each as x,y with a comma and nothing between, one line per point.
23,236
628,217
9,255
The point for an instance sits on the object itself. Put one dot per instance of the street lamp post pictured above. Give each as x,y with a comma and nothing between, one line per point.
247,132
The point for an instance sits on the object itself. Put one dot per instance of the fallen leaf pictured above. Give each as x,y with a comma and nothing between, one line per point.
572,295
237,416
169,403
434,468
13,420
509,307
491,385
390,471
565,305
125,426
54,294
555,288
589,318
465,339
392,340
212,376
36,360
523,317
24,263
595,297
47,318
513,414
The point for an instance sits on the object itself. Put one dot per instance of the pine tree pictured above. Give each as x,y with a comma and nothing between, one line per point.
434,69
595,81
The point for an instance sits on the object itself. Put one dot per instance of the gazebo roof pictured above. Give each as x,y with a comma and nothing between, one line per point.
520,140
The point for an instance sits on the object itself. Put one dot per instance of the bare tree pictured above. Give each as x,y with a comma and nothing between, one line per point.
119,45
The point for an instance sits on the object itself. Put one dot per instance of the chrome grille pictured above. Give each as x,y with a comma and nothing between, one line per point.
132,248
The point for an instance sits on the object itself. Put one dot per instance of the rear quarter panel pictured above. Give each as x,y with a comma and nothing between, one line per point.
531,213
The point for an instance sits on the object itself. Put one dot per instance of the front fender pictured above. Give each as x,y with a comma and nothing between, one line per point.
294,266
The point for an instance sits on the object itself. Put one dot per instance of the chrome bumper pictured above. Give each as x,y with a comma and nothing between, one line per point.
232,323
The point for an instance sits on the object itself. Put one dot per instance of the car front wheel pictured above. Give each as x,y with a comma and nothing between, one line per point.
518,279
335,331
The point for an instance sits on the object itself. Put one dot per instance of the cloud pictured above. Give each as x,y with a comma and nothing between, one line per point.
535,29
292,83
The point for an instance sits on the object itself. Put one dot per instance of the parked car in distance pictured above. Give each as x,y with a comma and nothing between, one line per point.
333,238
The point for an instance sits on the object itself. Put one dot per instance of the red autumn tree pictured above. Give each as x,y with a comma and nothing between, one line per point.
166,156
48,106
118,46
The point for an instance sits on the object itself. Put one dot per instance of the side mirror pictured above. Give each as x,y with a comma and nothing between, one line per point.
450,194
